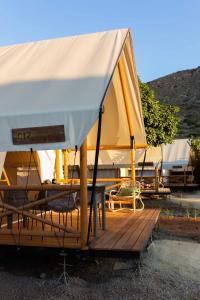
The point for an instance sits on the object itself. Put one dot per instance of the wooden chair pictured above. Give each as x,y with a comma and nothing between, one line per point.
127,197
66,205
16,199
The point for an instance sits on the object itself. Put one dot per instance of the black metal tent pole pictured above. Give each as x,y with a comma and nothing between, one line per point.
161,165
95,171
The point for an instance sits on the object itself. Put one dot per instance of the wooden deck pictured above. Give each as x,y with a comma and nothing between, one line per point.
126,232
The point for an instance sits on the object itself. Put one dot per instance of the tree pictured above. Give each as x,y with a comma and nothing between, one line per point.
160,120
195,146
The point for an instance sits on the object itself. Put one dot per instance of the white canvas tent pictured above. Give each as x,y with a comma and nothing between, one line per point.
120,158
55,94
176,154
64,82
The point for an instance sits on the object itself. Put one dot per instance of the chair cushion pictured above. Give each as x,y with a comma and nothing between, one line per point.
125,192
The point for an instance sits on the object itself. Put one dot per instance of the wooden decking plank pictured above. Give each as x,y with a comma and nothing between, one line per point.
120,233
132,234
145,234
118,240
141,228
129,236
111,234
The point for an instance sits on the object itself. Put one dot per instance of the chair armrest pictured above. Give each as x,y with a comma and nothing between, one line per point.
112,192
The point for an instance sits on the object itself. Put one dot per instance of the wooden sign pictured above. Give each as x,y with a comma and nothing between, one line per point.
38,135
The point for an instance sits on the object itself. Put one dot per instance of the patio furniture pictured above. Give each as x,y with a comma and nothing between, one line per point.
66,204
127,197
16,199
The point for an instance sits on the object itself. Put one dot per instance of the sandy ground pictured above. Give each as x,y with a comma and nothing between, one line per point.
170,269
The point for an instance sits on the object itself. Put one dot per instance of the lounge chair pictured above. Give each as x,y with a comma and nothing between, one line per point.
127,197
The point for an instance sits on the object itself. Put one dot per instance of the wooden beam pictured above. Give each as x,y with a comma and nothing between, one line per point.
25,232
126,96
115,147
133,165
156,179
128,114
44,187
58,162
84,194
65,154
113,179
6,177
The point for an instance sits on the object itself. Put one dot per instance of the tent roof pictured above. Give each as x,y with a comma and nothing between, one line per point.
63,82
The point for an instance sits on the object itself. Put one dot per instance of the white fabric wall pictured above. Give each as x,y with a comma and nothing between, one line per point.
177,153
47,164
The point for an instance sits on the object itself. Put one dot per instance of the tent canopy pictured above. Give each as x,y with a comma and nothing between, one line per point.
64,82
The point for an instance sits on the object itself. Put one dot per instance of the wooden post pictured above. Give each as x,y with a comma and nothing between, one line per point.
133,165
156,179
57,165
184,178
65,154
83,194
126,172
128,114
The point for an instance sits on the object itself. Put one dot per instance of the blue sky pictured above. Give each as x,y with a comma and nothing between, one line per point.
166,33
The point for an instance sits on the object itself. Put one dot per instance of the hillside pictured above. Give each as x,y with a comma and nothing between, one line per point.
182,89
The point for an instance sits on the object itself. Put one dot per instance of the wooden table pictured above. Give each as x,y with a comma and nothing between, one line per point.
100,189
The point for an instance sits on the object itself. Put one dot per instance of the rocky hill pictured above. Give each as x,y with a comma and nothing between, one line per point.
182,89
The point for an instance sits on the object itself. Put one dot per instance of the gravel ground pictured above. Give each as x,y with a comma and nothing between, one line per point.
160,275
170,269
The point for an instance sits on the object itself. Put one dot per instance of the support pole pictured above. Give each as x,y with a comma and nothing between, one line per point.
65,154
156,179
133,159
84,194
93,201
58,161
133,165
128,114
